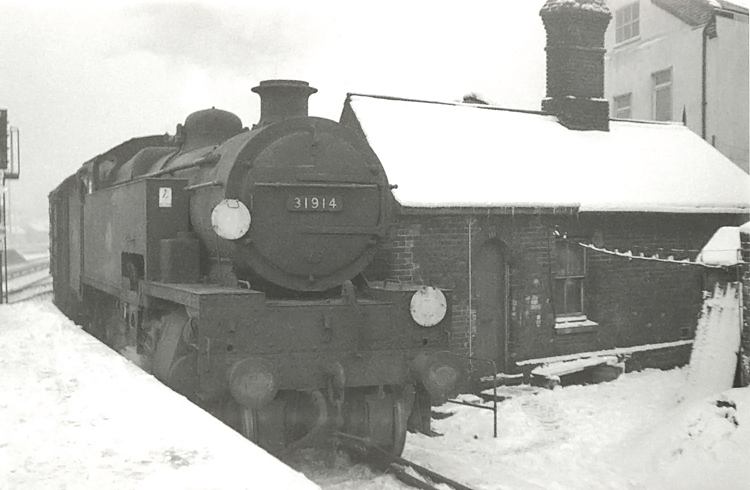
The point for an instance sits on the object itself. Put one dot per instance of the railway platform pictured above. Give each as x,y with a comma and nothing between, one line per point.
76,415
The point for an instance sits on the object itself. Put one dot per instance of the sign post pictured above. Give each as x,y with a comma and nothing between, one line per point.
10,169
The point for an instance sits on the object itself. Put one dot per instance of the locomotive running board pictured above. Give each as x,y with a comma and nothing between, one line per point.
190,295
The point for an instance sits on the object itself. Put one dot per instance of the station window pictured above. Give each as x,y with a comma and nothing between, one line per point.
627,22
570,273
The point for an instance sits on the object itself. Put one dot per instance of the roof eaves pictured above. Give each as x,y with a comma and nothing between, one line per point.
692,12
652,208
493,209
498,108
733,7
647,122
436,102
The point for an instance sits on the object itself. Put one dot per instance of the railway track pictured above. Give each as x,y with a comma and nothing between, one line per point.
405,471
29,281
39,289
26,268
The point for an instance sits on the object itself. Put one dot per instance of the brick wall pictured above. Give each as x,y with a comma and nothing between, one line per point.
435,249
431,250
575,72
634,302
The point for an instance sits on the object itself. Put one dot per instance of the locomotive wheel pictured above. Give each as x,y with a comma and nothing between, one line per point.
400,418
379,418
266,427
397,434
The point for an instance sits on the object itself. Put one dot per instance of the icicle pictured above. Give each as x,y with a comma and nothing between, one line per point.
631,255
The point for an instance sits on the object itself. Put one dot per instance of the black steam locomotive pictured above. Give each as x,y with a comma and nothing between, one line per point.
229,263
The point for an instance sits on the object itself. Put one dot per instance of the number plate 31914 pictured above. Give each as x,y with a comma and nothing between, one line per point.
314,203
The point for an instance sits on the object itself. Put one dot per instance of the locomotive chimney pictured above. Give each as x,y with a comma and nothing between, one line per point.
575,62
282,99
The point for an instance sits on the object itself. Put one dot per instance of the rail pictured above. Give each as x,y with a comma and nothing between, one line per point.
31,292
29,280
398,466
26,268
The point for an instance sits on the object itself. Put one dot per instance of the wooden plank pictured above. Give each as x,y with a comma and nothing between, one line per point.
569,367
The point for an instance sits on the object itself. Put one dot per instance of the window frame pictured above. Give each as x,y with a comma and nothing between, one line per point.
656,88
625,27
617,110
568,322
580,277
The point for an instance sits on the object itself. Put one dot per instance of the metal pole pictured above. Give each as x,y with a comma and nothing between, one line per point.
5,244
471,316
494,391
740,351
3,252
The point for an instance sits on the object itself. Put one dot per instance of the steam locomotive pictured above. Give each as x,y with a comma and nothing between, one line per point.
231,263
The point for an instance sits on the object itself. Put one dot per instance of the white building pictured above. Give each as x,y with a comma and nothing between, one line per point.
682,60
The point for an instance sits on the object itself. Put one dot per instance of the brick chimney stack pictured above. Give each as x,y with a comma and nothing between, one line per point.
575,62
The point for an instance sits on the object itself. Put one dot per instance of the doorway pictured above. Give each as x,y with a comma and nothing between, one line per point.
490,273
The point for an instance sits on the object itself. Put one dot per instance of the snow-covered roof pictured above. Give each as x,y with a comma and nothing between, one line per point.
723,249
452,154
740,5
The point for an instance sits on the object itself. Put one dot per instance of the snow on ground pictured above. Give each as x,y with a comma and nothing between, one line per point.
22,281
75,415
682,429
628,434
80,422
35,255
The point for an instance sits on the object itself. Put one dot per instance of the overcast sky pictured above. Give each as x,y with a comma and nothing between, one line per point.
81,78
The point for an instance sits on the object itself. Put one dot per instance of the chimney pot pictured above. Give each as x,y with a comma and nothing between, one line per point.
282,99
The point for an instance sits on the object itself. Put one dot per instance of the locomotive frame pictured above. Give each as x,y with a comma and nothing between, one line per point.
267,323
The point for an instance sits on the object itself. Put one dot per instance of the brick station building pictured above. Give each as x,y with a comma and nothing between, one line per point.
561,231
